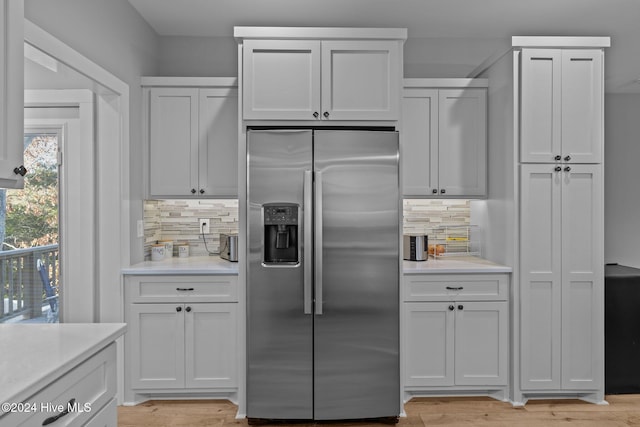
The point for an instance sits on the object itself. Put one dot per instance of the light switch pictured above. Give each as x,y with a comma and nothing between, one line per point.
140,228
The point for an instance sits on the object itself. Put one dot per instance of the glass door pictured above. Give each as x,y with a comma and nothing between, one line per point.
29,257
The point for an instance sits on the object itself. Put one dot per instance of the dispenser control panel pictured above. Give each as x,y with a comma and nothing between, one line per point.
282,214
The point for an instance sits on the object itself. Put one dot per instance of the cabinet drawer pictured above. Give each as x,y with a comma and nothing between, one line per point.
182,288
458,287
92,384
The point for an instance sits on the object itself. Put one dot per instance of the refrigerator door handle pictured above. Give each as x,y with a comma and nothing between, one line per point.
307,248
318,243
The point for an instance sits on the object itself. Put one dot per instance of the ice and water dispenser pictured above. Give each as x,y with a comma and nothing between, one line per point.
280,233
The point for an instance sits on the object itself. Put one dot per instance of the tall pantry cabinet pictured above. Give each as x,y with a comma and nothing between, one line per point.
546,136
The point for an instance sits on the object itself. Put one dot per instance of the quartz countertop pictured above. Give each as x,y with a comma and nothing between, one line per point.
190,265
453,265
218,266
34,355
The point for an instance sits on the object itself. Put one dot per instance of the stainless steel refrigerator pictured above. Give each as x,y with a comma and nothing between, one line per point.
323,274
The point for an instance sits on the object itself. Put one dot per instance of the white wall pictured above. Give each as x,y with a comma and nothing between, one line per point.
622,179
198,56
113,35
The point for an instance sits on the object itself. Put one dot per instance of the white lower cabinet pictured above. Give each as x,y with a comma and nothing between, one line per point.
455,339
83,396
182,342
188,345
561,281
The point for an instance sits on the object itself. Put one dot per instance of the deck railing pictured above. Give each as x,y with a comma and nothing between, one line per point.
21,287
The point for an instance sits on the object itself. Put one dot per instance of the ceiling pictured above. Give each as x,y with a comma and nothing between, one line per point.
492,20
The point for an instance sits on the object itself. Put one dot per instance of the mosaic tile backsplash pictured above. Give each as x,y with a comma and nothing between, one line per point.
177,220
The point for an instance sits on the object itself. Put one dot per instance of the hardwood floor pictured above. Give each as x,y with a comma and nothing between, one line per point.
623,410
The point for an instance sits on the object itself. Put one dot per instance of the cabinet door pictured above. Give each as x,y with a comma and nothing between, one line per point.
429,343
210,345
420,142
582,106
360,80
540,276
462,142
281,79
11,92
540,105
218,148
481,343
173,142
582,278
157,341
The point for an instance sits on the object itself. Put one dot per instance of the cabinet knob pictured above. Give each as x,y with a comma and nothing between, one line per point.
188,309
451,307
567,158
178,309
558,168
326,114
558,157
460,307
201,191
316,114
567,169
20,170
193,191
442,191
434,191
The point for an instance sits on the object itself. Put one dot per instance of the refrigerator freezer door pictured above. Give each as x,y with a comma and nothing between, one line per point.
280,343
356,338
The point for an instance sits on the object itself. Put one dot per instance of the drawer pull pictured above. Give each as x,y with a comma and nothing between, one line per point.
55,418
184,289
455,288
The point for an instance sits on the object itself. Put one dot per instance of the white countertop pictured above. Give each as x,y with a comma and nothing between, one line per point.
455,265
215,265
34,355
189,265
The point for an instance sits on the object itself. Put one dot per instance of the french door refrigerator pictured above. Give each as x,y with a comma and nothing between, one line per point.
323,274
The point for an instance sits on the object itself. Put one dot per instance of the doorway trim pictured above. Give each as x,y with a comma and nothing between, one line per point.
111,189
112,177
76,216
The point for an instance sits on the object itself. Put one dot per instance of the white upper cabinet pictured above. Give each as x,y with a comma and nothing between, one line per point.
561,106
444,142
173,142
193,140
419,133
313,74
11,93
281,79
218,141
360,80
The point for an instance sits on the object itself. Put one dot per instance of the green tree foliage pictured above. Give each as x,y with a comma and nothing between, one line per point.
32,213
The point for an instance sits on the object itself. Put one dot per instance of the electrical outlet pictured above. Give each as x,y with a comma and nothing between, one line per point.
204,225
140,228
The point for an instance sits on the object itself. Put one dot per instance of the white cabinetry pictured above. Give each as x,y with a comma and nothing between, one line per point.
182,334
560,229
86,393
193,139
561,105
444,139
561,278
455,333
11,93
321,78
